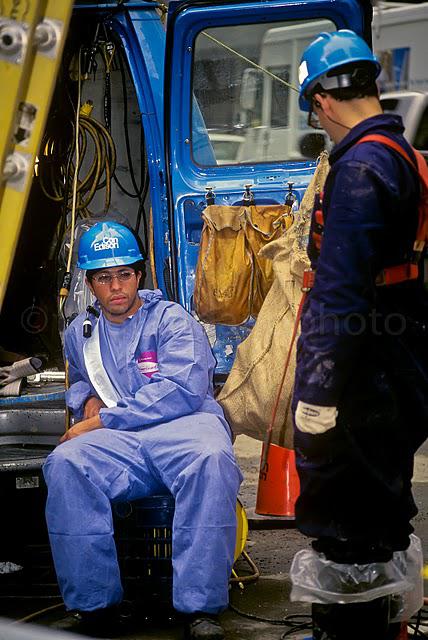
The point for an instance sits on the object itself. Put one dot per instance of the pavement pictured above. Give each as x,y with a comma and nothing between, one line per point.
258,608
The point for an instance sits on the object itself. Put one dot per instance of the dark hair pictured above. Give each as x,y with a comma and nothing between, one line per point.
135,266
363,82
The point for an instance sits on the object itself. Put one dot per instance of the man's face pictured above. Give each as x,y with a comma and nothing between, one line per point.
116,289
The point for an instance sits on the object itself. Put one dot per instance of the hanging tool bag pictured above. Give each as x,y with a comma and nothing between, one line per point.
232,279
250,391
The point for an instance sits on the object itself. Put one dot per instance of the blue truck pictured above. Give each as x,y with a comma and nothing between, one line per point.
158,91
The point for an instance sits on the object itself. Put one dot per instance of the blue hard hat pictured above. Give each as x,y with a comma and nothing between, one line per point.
107,244
327,52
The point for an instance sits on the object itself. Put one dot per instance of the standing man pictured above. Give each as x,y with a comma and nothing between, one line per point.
146,423
361,390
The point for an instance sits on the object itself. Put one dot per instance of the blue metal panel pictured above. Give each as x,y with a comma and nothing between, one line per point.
143,38
187,180
113,4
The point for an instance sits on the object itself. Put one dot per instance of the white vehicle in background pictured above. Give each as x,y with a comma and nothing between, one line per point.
399,36
281,129
412,106
226,146
275,128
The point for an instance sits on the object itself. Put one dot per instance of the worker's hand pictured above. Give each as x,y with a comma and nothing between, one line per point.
92,407
313,419
82,427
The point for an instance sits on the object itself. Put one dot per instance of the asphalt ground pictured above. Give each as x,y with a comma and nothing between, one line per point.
258,608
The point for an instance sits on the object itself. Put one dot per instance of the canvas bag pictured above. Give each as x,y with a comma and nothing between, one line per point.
250,391
263,224
232,279
224,271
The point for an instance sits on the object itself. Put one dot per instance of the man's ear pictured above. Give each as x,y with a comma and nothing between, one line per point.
320,100
138,275
326,103
90,286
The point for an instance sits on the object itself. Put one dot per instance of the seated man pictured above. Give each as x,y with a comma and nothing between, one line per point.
147,423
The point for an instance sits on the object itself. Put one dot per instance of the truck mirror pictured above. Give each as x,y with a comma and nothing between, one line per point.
311,145
251,82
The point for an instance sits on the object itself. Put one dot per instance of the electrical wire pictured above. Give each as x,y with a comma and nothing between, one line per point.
66,286
241,580
77,163
140,191
251,62
39,613
292,620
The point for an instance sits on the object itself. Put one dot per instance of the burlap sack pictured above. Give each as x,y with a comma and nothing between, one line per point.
250,391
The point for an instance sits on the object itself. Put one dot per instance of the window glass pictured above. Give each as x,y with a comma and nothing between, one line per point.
245,104
421,138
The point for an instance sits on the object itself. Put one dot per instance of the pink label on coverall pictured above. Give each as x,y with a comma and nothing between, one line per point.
147,363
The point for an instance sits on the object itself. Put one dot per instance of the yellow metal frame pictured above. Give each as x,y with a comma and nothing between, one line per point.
15,68
30,86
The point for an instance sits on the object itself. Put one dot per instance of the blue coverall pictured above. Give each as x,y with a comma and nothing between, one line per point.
166,434
363,349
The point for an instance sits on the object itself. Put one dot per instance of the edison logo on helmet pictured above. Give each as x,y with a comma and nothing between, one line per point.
106,243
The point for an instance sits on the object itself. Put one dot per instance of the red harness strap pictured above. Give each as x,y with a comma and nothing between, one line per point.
410,270
318,223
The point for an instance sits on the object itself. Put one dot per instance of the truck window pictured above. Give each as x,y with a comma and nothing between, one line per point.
421,137
280,98
245,93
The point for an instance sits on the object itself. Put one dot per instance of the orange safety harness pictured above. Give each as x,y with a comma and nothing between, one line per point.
408,270
388,276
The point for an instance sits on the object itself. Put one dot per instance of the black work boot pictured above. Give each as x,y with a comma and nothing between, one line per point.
111,622
203,626
356,621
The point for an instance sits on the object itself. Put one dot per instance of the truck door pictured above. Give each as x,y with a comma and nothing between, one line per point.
219,83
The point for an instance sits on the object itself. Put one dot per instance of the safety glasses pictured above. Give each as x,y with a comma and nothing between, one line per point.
107,278
313,120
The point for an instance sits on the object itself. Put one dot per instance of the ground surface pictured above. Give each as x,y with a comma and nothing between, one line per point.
271,550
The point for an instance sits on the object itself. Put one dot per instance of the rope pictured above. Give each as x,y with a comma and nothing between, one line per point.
253,64
77,166
268,436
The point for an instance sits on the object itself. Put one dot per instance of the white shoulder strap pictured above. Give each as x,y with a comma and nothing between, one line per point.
95,368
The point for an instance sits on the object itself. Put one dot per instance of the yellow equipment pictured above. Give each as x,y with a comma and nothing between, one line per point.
32,38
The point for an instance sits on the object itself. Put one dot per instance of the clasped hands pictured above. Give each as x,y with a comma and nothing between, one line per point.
91,420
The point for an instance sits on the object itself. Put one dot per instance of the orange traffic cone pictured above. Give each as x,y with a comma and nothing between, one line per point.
279,484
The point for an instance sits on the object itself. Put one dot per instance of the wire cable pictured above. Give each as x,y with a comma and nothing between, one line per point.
37,614
297,621
77,165
251,62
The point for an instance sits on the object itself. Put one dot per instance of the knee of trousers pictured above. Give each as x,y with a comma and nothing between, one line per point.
217,466
63,462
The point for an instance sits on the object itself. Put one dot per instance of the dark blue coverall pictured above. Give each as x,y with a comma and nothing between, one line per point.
363,349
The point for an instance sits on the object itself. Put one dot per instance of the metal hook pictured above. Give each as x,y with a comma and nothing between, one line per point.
248,195
210,195
290,197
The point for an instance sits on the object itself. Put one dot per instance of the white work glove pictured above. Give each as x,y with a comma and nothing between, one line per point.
12,389
313,419
19,369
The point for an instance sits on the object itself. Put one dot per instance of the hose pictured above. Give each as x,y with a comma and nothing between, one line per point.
56,173
241,580
39,613
65,289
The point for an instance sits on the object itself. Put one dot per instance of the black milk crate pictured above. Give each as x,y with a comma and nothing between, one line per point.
143,534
